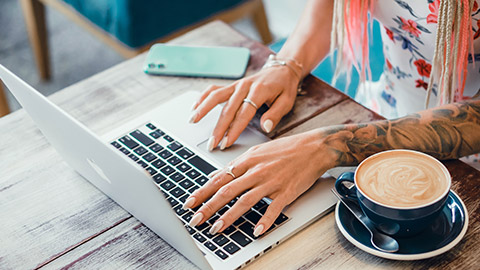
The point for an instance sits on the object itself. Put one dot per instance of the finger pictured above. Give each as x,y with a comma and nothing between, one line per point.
205,94
213,99
241,206
212,186
243,116
228,113
273,211
280,107
224,195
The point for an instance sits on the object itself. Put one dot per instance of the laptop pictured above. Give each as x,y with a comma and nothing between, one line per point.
158,159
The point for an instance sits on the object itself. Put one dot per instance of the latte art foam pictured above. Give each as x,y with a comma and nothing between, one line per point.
402,179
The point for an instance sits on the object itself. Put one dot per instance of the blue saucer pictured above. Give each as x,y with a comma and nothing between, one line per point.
444,233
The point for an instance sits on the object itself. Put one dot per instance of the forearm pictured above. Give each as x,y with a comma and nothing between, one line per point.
310,41
446,132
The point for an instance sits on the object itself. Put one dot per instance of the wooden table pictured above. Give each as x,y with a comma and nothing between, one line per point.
52,218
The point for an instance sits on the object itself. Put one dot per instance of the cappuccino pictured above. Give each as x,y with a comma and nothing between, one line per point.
402,179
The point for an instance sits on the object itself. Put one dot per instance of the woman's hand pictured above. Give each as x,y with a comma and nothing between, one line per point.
275,86
281,170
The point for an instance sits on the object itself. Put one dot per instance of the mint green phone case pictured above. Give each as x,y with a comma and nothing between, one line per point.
217,62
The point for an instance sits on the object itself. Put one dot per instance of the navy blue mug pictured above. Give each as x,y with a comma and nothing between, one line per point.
392,220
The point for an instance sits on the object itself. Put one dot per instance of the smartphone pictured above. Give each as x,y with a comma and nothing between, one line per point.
197,61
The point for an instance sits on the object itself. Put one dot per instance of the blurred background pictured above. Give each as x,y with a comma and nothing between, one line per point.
76,53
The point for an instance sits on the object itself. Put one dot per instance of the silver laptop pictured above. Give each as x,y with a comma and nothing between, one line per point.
159,159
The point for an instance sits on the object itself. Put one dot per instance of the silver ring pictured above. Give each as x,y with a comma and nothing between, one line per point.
251,103
229,171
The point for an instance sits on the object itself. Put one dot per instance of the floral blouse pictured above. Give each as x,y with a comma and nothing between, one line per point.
408,35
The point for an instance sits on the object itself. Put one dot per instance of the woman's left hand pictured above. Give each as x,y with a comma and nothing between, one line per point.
281,169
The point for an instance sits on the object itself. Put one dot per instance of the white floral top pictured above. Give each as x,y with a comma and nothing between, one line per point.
408,35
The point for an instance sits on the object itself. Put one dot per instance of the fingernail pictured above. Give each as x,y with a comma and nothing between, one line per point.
267,125
210,143
216,227
258,230
195,219
212,174
189,203
193,117
224,143
193,106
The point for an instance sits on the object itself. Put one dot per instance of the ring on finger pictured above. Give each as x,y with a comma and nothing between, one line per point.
229,171
247,100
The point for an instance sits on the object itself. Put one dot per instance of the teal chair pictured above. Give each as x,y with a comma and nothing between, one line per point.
132,26
325,69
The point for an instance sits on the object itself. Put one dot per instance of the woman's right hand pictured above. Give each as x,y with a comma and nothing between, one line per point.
275,86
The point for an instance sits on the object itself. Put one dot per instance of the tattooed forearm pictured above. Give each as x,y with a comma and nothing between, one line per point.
446,132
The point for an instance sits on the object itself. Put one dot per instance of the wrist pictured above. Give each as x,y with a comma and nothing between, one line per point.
292,64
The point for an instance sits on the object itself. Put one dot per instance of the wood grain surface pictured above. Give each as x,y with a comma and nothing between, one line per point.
53,218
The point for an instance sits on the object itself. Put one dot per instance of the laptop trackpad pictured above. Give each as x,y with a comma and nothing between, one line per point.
247,139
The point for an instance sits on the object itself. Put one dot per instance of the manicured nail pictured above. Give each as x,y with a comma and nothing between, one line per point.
194,106
267,125
223,144
216,227
212,174
189,203
258,230
195,219
210,143
193,117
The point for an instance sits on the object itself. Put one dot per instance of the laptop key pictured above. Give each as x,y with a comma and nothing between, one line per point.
223,210
172,201
133,157
116,144
207,234
124,150
174,146
167,185
254,217
151,126
156,134
183,167
184,198
177,177
158,163
167,170
202,226
221,254
168,138
190,230
231,248
202,165
232,202
229,230
151,170
263,210
174,160
280,219
128,142
186,184
210,246
188,216
179,210
142,163
201,180
199,237
159,178
137,134
149,157
247,228
177,192
140,150
259,205
213,219
240,238
220,240
165,154
156,148
239,221
185,153
193,174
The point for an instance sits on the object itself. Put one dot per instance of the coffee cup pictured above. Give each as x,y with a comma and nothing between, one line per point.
400,191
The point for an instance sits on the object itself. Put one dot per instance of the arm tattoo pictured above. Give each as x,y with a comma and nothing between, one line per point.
447,132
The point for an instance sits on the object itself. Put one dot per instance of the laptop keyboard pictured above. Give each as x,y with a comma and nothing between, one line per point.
178,172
